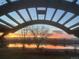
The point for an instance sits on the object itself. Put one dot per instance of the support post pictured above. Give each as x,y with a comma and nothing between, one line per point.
2,41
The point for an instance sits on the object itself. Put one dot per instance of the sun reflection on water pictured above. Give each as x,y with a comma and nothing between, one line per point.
19,45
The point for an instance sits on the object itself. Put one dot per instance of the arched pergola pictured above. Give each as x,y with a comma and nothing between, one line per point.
45,12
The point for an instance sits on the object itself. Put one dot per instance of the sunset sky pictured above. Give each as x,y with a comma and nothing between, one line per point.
32,14
53,32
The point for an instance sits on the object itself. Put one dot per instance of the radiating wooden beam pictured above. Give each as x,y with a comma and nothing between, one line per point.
12,19
29,15
6,23
53,15
74,25
69,19
62,17
21,16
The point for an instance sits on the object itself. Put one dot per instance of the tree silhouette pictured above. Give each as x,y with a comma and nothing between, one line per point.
40,34
24,32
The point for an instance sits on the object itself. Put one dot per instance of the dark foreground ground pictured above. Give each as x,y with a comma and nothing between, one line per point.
10,53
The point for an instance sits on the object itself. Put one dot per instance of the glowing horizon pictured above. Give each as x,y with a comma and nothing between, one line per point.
53,32
54,35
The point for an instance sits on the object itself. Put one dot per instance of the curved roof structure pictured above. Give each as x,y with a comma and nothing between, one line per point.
16,14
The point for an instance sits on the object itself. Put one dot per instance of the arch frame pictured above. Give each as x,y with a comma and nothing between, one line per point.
63,5
67,6
52,23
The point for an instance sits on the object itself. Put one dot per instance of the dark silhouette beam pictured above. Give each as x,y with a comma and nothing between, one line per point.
6,23
75,32
5,33
45,14
74,25
40,22
75,1
8,1
12,19
53,14
37,13
62,17
77,28
21,16
70,19
4,28
29,15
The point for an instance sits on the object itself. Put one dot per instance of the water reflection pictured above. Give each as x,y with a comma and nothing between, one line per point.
19,45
